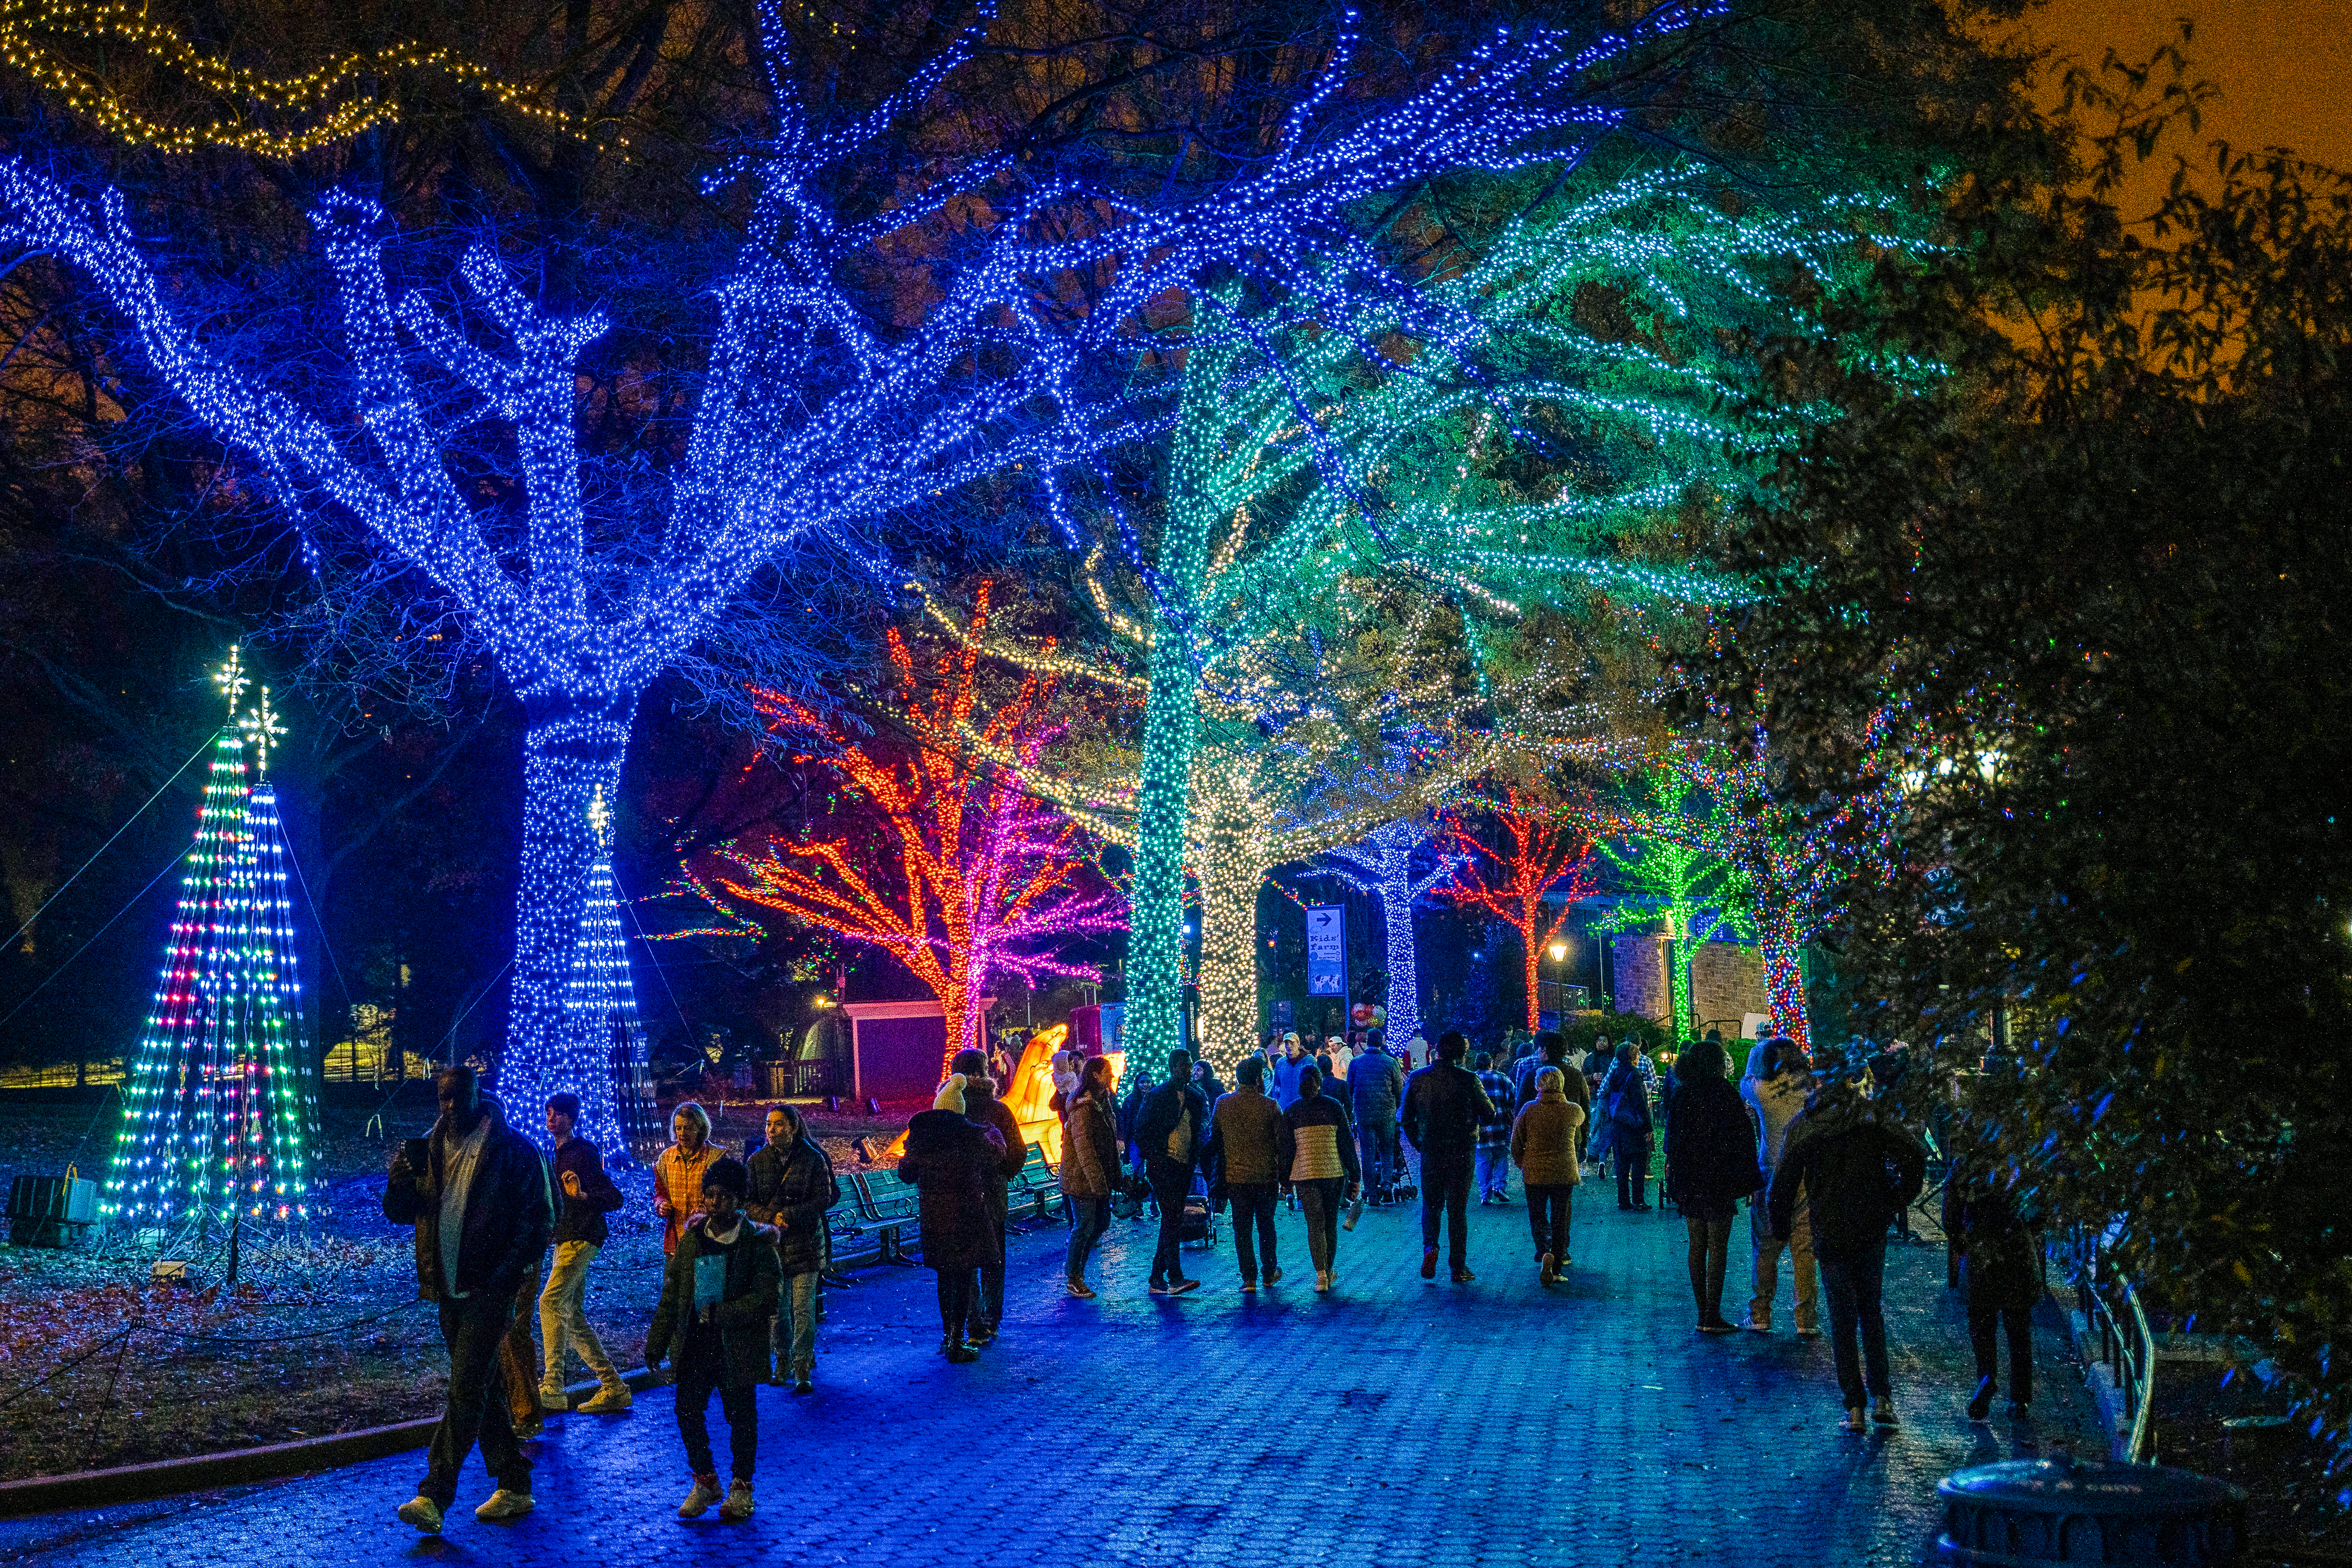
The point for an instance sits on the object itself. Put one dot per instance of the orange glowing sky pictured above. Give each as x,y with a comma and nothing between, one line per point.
2284,67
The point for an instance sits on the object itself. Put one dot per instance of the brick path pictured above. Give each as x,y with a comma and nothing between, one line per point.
1392,1421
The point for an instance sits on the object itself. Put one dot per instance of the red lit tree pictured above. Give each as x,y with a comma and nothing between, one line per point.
1530,851
963,876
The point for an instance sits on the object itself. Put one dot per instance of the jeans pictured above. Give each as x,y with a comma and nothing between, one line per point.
1252,1207
1376,1136
1800,1249
2016,1323
988,1293
1089,1217
563,1322
793,1330
696,1382
1547,1209
1494,1170
957,1287
1633,1151
1445,1187
1320,1199
1853,1284
476,1408
1709,1256
1171,1183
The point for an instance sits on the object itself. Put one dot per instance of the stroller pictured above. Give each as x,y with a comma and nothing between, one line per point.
1199,1225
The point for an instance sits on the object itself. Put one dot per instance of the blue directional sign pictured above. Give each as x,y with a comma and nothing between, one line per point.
1326,950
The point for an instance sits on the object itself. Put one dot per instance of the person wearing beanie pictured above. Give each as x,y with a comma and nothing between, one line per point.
983,1109
951,1162
718,1294
1543,1146
1444,1109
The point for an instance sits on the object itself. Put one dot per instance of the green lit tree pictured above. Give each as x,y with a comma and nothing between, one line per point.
1668,878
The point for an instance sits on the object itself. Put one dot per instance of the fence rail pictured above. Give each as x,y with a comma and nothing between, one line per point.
2110,1304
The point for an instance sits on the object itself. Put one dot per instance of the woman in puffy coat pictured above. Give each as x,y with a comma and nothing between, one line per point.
1710,1167
952,1162
1543,1146
1090,1169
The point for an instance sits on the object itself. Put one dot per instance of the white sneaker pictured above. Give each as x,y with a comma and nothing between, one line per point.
698,1501
738,1505
504,1504
613,1399
1750,1323
423,1512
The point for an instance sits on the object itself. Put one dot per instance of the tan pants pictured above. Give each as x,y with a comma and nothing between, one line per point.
563,1319
1800,1248
518,1362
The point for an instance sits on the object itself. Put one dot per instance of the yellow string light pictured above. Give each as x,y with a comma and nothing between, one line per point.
24,22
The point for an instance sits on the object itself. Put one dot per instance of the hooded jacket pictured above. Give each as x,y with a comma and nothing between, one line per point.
1710,1149
1155,1124
1543,1141
747,1301
1443,1108
793,1185
509,1212
1858,1168
1089,1149
1244,1135
953,1163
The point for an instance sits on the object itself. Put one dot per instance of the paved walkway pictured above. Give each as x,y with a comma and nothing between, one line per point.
1392,1421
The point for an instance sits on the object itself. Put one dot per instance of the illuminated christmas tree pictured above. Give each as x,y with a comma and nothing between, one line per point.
600,1001
222,1103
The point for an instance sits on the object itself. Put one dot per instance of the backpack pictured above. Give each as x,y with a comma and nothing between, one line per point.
1626,1109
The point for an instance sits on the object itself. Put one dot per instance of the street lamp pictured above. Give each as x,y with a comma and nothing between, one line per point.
1559,950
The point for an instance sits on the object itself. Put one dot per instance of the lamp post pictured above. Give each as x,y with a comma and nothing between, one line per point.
1559,950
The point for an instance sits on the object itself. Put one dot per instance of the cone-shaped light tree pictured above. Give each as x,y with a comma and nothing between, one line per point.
1401,863
821,412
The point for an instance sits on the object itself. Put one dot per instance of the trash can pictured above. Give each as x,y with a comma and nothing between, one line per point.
2032,1511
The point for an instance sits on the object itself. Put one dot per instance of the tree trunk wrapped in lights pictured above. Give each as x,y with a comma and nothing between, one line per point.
1656,841
820,417
969,875
1526,871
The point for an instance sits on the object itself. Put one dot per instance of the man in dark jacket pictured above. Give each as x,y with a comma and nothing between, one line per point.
1172,1129
1444,1109
1244,1129
985,1109
1375,1085
585,1196
792,1187
1856,1165
483,1214
718,1294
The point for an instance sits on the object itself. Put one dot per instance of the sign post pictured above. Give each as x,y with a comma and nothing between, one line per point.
1326,950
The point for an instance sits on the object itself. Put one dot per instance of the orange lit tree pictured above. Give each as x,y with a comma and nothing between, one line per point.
1531,852
964,876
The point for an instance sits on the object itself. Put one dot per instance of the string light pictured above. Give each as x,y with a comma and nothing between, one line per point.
600,998
813,422
1542,866
986,873
1381,863
222,1100
23,23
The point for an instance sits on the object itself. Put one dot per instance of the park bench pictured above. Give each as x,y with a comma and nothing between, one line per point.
887,1202
1036,1191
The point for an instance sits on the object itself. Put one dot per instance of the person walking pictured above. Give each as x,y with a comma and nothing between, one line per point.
1444,1110
1627,1101
1173,1129
719,1296
1244,1135
1775,1093
1375,1088
2000,1264
1856,1167
951,1161
1493,1173
1543,1146
1341,1059
585,1196
677,1171
1090,1169
981,1106
1710,1167
792,1189
1294,1061
483,1210
1597,1067
1317,1155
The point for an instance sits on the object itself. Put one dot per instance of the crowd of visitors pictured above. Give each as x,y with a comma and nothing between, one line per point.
1825,1165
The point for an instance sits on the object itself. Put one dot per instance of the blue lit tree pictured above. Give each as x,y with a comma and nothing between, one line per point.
823,416
1383,862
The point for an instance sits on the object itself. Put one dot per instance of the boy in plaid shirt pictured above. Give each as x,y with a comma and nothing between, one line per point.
1495,1137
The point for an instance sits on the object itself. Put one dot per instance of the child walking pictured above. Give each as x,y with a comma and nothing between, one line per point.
718,1294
